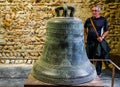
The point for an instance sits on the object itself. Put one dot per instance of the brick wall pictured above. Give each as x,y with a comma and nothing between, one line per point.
22,23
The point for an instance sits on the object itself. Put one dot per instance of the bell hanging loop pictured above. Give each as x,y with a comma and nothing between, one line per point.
65,8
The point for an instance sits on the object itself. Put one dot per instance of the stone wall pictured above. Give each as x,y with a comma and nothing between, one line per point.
23,23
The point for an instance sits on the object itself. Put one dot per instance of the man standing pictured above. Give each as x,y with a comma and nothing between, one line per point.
101,26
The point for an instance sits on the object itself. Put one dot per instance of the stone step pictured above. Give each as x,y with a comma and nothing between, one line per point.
14,71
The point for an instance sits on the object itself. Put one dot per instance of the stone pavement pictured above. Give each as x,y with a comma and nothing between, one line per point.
106,77
16,75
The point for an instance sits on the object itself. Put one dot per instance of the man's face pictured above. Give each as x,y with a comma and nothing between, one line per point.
95,12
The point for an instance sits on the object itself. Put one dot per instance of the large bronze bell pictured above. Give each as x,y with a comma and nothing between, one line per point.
64,60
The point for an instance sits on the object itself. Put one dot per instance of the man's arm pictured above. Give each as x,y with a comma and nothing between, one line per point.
103,36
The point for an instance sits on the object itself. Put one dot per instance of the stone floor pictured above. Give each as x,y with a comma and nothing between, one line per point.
16,75
106,77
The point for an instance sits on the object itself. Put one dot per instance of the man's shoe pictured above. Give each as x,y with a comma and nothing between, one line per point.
99,75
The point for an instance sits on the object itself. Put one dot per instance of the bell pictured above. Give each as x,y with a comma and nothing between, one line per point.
64,60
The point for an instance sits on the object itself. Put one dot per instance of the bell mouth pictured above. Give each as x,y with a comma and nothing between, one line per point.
63,75
72,81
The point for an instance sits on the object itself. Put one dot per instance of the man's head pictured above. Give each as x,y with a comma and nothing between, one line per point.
96,11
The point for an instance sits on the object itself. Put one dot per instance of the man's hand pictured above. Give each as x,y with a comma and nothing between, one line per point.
100,39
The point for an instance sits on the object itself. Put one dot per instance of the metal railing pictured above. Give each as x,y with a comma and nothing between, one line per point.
113,68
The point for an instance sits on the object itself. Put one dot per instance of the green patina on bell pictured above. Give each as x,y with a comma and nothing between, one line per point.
64,60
